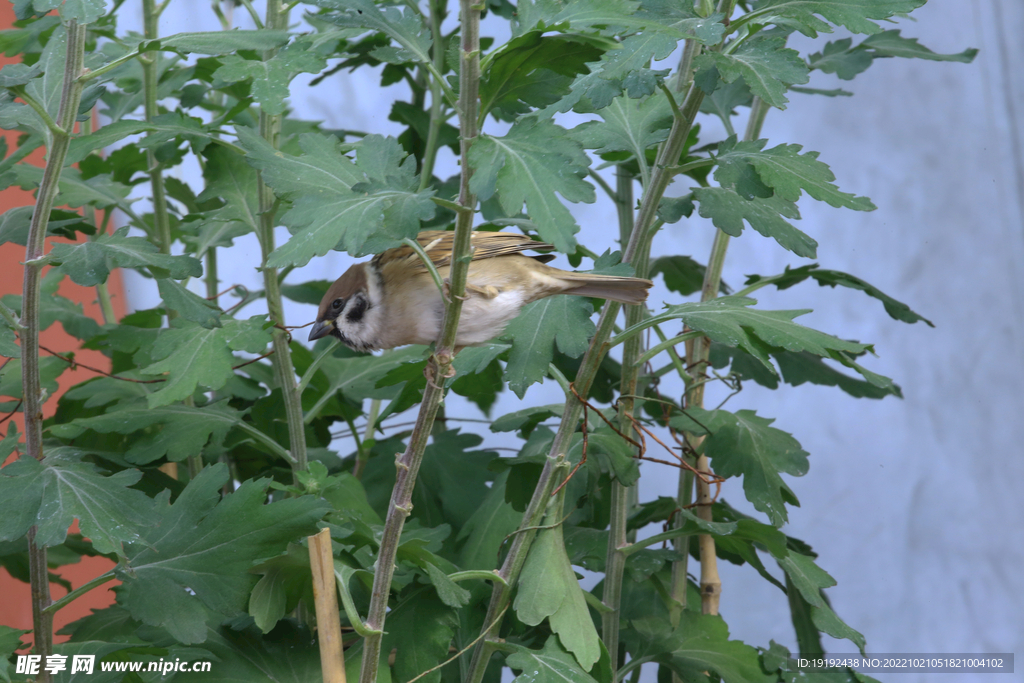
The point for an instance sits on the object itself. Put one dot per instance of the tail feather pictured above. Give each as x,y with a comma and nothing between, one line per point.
626,290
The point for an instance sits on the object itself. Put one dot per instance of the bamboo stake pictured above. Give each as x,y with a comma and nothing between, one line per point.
328,620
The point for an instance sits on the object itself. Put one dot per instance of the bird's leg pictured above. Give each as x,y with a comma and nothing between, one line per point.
447,286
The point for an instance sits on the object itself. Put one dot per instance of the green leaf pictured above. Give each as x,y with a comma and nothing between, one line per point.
529,164
90,263
628,126
450,592
484,534
52,493
744,444
83,145
361,207
810,579
420,630
189,304
288,655
184,430
699,644
891,44
561,320
405,28
533,71
764,64
10,641
8,342
526,419
548,589
838,58
192,356
202,550
787,172
285,580
270,78
835,278
50,368
55,308
728,210
15,224
682,274
730,320
99,191
222,42
853,14
82,11
551,664
726,98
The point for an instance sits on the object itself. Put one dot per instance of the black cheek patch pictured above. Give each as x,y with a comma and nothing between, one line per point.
357,311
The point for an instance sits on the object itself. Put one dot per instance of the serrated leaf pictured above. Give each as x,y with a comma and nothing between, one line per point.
726,98
551,664
744,444
12,75
682,274
728,210
100,191
450,593
8,343
15,223
787,172
190,305
82,11
224,42
730,320
405,28
192,356
699,644
838,58
55,308
534,71
628,126
764,64
810,579
52,493
90,263
206,545
50,368
891,44
361,207
270,78
83,145
184,430
561,320
530,164
855,15
835,278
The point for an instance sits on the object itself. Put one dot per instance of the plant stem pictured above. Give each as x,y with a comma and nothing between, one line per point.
284,370
440,364
437,12
645,218
696,358
615,563
150,75
70,97
102,292
80,591
210,277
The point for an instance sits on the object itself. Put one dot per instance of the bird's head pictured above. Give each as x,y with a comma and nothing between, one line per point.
351,309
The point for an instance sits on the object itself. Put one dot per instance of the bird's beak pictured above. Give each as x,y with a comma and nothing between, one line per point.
321,328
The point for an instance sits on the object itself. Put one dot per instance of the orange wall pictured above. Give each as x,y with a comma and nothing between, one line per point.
15,599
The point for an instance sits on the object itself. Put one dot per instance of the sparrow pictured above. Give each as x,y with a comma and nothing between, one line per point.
392,300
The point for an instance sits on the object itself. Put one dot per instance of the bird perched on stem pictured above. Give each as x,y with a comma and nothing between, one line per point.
392,300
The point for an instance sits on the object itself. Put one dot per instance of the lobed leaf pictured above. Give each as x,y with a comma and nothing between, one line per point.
763,63
90,263
728,210
52,493
530,164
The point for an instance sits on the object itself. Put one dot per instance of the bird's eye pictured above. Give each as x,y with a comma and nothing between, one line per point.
337,304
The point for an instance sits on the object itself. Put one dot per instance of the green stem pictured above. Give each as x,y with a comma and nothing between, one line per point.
437,12
440,364
80,591
307,377
35,249
368,434
211,277
51,125
150,76
284,370
696,360
102,291
645,219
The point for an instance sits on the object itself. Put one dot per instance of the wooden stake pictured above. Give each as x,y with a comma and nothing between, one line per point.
321,560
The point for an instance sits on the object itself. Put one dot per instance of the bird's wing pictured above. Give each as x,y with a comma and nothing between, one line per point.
438,245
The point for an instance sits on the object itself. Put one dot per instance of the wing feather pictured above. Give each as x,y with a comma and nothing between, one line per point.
438,245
